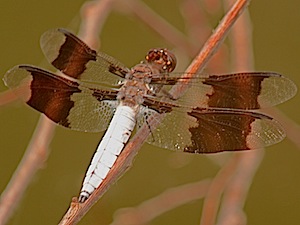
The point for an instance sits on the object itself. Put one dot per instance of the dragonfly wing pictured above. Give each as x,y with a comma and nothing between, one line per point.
202,130
249,90
67,102
74,58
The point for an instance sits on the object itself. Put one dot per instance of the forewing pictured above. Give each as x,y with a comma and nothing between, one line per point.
74,58
67,102
253,90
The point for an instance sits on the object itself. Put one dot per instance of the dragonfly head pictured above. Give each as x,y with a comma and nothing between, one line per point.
163,58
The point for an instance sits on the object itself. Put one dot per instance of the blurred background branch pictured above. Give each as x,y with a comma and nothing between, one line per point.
127,35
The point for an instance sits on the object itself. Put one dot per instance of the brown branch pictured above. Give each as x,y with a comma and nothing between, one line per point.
231,211
213,197
159,25
241,46
212,5
38,150
218,36
94,14
162,203
291,128
7,97
124,161
36,154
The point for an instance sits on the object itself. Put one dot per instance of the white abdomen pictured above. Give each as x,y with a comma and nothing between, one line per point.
116,136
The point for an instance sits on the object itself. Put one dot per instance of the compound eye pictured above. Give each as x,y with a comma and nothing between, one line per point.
165,59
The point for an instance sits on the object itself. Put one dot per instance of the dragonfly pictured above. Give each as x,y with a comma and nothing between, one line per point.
95,92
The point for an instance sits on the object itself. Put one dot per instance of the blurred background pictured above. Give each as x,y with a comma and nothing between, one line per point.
274,197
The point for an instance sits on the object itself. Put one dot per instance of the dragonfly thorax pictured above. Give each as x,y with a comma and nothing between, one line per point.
132,92
142,72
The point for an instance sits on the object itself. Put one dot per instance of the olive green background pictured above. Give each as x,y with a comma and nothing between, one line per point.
274,197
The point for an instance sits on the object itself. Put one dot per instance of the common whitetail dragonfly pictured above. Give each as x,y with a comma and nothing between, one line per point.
96,91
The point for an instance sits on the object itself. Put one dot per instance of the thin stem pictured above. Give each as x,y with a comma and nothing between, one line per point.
168,200
160,26
7,97
231,211
213,197
38,149
36,154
